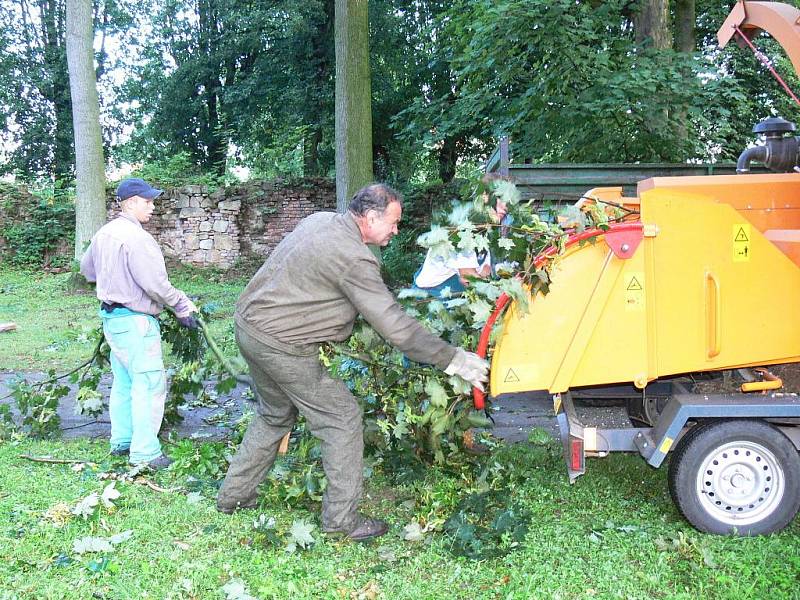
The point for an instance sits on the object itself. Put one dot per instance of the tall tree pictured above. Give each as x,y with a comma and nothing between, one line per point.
198,51
39,112
38,132
651,23
353,100
293,95
596,101
90,205
685,26
683,42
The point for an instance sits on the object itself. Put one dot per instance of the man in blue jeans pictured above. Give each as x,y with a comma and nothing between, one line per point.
133,288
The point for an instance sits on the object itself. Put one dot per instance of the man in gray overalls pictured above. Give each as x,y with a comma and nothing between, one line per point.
310,290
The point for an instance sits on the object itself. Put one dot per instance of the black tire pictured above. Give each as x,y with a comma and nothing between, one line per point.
737,477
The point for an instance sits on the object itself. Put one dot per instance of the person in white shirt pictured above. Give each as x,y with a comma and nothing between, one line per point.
438,273
443,276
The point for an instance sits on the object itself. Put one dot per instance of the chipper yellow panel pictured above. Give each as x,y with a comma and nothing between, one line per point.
725,294
589,306
713,285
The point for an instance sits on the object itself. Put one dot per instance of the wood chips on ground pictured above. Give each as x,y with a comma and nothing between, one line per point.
730,381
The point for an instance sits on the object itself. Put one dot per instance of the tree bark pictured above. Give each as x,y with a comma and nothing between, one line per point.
684,25
353,100
448,155
311,142
90,204
651,21
684,42
57,90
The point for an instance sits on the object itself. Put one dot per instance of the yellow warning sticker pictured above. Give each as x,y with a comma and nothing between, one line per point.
741,242
666,445
634,291
511,377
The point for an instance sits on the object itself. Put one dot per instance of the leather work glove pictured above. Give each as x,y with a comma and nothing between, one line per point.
189,321
470,367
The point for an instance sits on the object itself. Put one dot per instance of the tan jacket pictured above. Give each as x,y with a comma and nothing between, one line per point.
129,269
315,283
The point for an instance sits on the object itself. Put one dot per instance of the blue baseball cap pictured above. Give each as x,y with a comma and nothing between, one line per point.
137,187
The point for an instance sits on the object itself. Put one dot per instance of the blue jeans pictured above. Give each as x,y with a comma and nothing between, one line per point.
139,390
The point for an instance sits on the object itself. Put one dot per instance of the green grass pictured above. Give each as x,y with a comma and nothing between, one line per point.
54,322
614,534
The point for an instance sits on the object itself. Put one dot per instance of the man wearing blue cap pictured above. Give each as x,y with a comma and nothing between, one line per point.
133,288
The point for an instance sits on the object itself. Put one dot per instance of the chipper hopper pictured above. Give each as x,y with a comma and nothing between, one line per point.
706,278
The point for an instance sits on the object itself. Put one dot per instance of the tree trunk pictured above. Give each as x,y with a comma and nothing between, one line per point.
353,100
684,25
90,202
684,42
52,15
214,138
448,154
651,21
311,142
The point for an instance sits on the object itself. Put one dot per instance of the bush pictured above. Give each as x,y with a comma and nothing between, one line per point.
177,170
45,238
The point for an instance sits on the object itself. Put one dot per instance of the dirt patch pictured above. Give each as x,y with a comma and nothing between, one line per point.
789,374
210,420
729,382
515,415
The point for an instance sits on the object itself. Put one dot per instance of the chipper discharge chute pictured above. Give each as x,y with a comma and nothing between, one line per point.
707,279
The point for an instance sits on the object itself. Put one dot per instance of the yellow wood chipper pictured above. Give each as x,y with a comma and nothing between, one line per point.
706,278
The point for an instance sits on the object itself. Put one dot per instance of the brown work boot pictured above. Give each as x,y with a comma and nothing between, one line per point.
366,528
229,508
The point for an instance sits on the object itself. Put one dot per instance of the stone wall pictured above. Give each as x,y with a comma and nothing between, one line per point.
197,227
270,209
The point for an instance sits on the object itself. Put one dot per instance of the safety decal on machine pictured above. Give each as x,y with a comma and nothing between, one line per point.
741,242
634,291
511,377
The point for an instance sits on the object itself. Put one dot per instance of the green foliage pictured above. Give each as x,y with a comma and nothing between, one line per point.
35,241
207,461
298,475
517,70
486,525
38,405
236,83
7,425
178,169
89,400
401,258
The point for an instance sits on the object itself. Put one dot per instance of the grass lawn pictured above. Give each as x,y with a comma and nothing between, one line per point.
54,322
614,534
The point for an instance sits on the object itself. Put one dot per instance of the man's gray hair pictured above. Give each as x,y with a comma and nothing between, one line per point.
375,196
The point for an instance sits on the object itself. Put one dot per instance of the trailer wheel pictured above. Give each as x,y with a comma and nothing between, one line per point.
736,476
